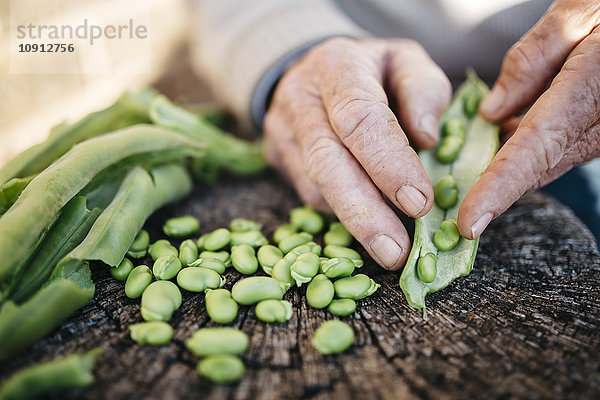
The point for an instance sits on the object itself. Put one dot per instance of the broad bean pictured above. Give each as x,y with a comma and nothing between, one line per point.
137,281
222,368
251,238
445,192
166,267
253,289
454,127
243,259
217,239
244,225
268,255
219,340
304,268
342,307
181,226
338,267
220,306
332,336
122,271
426,267
449,148
334,251
447,236
319,292
199,279
219,255
155,333
160,300
283,231
210,263
355,287
337,235
162,248
140,244
294,240
188,252
306,219
273,310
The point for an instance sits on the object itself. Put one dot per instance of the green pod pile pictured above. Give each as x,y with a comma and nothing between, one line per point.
439,267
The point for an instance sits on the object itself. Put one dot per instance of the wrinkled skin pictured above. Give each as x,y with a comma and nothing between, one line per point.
331,131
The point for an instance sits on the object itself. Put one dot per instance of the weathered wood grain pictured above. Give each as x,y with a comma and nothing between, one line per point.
524,324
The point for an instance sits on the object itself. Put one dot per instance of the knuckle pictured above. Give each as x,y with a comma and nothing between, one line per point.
526,60
320,158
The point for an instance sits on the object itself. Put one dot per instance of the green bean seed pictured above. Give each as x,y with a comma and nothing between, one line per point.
217,239
199,279
338,267
306,219
219,255
244,225
267,256
188,252
333,336
137,281
181,226
333,251
319,291
221,368
337,235
305,248
281,270
445,192
449,148
283,231
426,267
471,103
355,287
342,307
210,263
243,259
166,267
162,248
274,310
251,238
156,333
294,240
220,306
256,288
140,244
160,300
305,268
219,340
123,270
454,127
447,237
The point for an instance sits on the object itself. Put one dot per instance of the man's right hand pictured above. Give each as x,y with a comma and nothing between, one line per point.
331,131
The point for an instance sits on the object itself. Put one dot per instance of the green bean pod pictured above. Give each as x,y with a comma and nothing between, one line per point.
273,310
243,259
253,289
188,252
137,281
140,244
319,292
199,279
71,371
220,306
214,341
480,146
11,190
355,287
268,255
156,333
160,300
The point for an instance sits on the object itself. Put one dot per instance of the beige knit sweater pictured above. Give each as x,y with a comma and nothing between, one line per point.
242,46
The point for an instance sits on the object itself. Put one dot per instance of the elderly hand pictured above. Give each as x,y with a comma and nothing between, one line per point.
562,127
331,130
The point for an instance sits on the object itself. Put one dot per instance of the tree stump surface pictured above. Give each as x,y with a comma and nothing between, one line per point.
524,324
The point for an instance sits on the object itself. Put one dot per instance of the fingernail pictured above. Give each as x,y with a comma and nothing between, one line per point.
411,199
481,224
429,126
387,250
492,103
